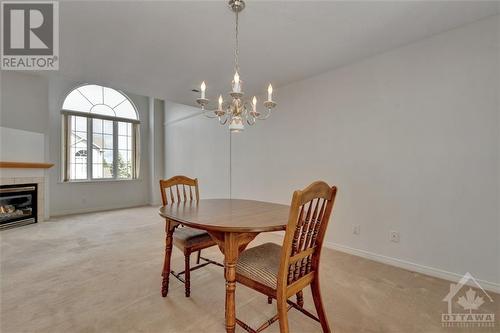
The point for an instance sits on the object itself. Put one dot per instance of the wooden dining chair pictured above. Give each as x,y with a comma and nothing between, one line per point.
177,190
283,271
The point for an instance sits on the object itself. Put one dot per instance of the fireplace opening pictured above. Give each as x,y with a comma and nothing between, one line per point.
18,205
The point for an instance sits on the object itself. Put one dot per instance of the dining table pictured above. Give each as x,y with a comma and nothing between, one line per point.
232,224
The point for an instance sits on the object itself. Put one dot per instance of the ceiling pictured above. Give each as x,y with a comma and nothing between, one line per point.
166,48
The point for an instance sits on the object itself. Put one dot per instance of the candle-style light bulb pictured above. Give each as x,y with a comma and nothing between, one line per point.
270,92
254,103
203,88
236,83
220,102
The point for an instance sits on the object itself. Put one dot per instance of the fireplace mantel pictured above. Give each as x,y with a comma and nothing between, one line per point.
25,165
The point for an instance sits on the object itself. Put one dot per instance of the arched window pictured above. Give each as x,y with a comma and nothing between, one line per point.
101,132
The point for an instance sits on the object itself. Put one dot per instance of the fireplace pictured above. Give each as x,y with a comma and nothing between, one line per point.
18,205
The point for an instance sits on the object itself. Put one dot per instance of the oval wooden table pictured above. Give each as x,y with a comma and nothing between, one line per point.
233,224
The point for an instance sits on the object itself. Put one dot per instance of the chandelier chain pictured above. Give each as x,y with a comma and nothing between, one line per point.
236,49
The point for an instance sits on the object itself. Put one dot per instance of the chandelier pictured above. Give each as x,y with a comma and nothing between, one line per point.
239,110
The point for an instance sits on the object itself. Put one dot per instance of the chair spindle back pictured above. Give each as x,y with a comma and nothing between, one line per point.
309,215
179,189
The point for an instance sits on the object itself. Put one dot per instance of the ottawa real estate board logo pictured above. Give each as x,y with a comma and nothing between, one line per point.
464,305
30,35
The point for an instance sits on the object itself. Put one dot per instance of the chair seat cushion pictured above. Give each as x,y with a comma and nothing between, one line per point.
187,237
261,264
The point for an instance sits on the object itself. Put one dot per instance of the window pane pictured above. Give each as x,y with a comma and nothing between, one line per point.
97,126
108,127
124,164
107,170
122,142
78,171
100,100
126,172
81,124
124,128
126,110
103,109
97,141
112,97
123,156
102,149
97,170
108,141
76,102
77,164
97,156
102,170
107,157
92,92
79,142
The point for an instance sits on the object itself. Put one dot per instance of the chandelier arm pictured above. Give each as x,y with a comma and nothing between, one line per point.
245,109
225,116
213,112
207,114
223,122
267,115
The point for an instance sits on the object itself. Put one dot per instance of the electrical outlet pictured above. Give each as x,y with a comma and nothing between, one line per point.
394,236
356,229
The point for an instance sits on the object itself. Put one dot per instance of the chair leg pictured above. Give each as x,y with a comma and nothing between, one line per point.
282,313
198,257
318,303
166,262
300,299
269,300
187,274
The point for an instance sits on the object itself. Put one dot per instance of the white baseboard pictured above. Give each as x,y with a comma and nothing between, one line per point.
431,271
95,209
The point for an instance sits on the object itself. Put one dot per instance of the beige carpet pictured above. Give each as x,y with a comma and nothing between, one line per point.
100,272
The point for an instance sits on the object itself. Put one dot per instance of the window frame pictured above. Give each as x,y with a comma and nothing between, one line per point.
66,145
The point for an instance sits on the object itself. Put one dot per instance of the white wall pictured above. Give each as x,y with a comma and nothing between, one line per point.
197,147
24,101
22,146
409,136
24,120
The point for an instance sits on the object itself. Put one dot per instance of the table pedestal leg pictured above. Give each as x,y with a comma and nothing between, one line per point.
231,244
230,259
